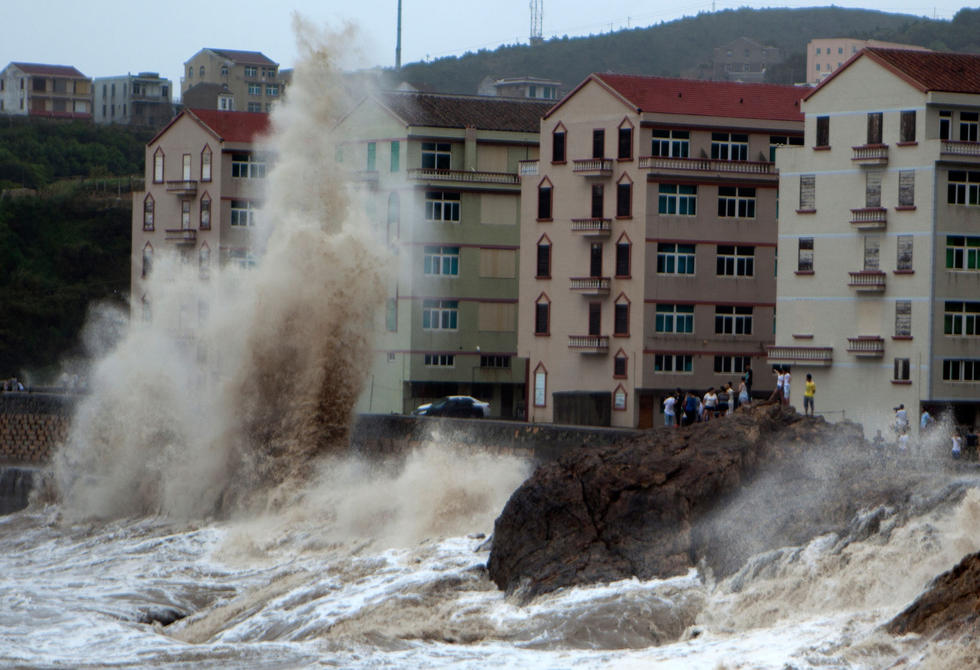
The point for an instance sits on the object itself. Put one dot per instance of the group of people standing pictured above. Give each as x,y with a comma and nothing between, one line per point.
682,408
781,392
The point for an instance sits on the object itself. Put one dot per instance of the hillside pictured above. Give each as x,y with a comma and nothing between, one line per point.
677,48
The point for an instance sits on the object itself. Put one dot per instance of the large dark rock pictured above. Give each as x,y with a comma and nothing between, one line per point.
659,504
950,602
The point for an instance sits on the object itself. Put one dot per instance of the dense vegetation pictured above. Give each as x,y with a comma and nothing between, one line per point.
680,47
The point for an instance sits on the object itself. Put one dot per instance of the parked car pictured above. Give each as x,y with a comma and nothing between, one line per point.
455,405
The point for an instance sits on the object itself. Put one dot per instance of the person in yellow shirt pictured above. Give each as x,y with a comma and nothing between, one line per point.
809,390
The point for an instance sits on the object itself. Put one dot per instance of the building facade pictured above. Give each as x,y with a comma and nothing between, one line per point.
439,176
879,279
745,60
133,99
648,239
204,178
53,91
531,88
826,54
252,79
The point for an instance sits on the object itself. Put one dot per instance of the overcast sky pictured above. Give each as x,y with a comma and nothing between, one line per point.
111,37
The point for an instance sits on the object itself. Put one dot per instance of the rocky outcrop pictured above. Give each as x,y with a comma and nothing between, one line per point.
659,504
950,602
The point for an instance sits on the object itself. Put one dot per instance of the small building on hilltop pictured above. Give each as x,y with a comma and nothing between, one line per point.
826,55
745,60
142,99
40,90
531,88
252,78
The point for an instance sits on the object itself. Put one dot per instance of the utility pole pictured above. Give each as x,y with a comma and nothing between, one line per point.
537,16
398,43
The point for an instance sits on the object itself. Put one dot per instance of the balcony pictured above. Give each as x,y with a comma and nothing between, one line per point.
590,285
527,168
802,356
589,344
182,187
866,346
592,227
464,176
870,154
593,167
869,218
369,177
867,281
182,236
756,168
960,150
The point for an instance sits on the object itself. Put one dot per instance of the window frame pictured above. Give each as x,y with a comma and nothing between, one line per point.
727,146
242,213
670,143
737,202
961,318
436,155
543,258
445,204
440,261
677,318
676,259
440,315
735,320
822,139
542,316
680,364
735,260
545,200
559,144
677,199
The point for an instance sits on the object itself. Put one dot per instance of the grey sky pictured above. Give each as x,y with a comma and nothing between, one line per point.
111,37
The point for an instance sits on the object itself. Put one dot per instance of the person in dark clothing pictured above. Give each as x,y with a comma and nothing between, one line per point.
747,378
690,408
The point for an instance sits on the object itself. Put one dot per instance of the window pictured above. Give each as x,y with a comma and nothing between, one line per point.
625,142
874,127
272,90
598,192
733,320
906,132
439,360
436,155
808,193
185,214
901,370
201,72
544,259
681,363
904,258
441,261
776,141
595,259
540,386
675,259
620,364
542,316
671,143
680,199
872,188
206,164
735,261
544,201
906,188
242,213
495,361
736,201
963,188
185,167
732,364
147,260
205,212
440,314
621,318
598,143
818,51
730,146
395,163
624,198
903,318
441,206
961,370
961,318
372,155
148,205
247,166
675,318
969,126
962,253
558,146
623,249
872,253
158,158
391,315
204,262
255,89
393,221
945,124
619,398
251,71
823,131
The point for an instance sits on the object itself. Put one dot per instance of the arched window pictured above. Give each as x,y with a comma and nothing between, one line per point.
393,221
224,71
619,399
625,140
544,258
204,261
206,164
205,212
158,166
620,365
147,260
623,249
558,143
544,200
621,316
540,385
542,315
201,71
624,197
148,206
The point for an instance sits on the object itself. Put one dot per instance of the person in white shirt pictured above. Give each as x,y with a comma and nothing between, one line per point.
957,444
710,404
669,414
786,379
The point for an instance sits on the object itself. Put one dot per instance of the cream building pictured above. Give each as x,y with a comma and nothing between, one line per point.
879,239
250,79
826,54
648,239
52,91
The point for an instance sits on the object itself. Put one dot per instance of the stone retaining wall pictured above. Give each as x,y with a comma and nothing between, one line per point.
31,424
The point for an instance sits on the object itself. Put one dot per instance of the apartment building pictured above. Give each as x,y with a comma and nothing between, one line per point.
744,59
532,88
53,91
204,179
879,239
133,99
439,176
253,80
826,55
648,239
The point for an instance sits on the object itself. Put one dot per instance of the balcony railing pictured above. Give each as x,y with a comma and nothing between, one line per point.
527,168
870,154
867,280
470,176
804,356
866,345
182,187
593,167
366,176
589,344
707,165
181,235
869,218
590,285
592,227
959,148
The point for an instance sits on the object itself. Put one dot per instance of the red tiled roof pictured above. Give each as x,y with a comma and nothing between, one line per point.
234,126
707,98
245,57
49,70
932,70
459,111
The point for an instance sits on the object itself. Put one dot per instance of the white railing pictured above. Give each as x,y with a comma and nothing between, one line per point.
182,186
866,345
869,215
961,148
868,279
527,168
706,165
800,354
589,343
594,165
181,235
590,284
595,226
870,152
472,176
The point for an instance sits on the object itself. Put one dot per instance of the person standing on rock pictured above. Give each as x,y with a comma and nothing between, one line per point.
747,378
743,393
710,404
786,379
809,390
691,404
731,400
670,402
777,393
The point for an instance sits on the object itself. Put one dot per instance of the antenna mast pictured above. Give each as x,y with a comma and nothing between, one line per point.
537,14
398,44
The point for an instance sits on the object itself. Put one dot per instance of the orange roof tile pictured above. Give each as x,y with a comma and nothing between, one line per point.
234,126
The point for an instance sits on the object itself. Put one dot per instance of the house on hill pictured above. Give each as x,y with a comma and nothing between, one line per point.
252,78
53,91
745,60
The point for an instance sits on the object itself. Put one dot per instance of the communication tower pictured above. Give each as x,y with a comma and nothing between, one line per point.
537,12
